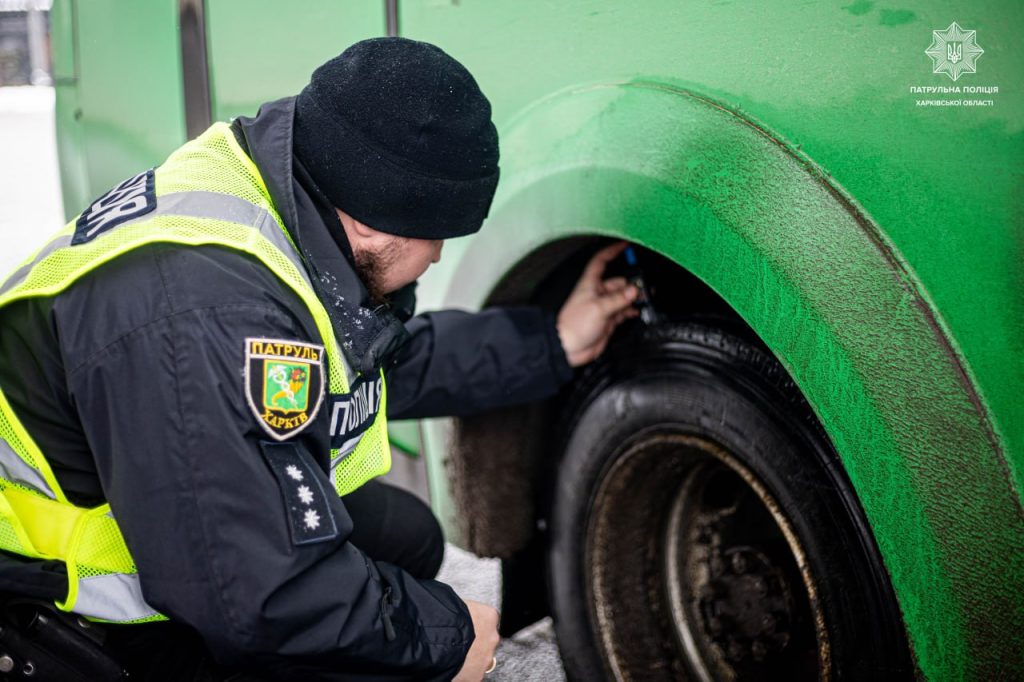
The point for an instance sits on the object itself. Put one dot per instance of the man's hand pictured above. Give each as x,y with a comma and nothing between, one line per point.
481,653
595,308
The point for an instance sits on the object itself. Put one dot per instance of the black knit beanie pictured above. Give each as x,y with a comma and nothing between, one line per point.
398,135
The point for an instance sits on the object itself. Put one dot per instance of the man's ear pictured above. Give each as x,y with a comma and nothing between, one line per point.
364,231
355,230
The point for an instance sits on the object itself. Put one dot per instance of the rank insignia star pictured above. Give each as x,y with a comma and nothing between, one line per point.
294,472
305,494
954,51
312,519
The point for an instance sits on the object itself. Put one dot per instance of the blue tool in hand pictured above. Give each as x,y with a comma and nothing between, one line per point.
636,277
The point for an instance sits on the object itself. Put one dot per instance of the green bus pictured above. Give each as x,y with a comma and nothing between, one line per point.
808,464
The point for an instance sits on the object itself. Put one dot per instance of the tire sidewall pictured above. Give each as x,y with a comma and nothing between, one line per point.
697,381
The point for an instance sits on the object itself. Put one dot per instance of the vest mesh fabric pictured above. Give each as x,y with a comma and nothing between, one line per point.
372,456
12,537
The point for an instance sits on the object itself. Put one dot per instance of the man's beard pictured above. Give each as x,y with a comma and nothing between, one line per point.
372,266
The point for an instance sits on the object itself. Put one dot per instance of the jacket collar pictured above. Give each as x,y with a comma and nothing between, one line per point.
369,335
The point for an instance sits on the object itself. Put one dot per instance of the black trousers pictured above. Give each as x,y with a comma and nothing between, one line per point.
390,525
396,526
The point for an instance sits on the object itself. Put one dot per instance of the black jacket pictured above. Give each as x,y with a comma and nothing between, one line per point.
131,383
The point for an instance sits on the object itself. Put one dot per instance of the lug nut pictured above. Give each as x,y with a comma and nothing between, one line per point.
6,664
768,623
739,563
737,651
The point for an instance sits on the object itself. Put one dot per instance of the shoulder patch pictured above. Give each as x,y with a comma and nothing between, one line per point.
310,518
284,384
134,197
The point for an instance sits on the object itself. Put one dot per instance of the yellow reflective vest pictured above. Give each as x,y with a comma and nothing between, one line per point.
207,192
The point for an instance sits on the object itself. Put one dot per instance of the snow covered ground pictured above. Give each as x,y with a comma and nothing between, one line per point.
30,202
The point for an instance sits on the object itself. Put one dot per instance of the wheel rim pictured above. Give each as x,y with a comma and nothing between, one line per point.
718,587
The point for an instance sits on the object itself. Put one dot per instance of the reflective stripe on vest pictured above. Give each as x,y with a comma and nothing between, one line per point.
115,597
13,468
224,209
198,204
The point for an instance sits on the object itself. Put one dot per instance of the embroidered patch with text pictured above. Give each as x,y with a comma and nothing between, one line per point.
284,384
134,197
306,504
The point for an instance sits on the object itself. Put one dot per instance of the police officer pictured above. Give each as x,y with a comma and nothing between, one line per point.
196,377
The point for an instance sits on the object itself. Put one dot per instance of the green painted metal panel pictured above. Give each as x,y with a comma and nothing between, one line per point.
260,50
765,228
62,40
126,111
848,237
436,437
832,79
405,435
74,177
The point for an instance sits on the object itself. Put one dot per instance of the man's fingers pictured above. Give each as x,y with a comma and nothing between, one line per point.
617,301
596,266
614,284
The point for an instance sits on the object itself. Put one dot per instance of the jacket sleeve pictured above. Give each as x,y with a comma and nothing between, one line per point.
458,363
181,460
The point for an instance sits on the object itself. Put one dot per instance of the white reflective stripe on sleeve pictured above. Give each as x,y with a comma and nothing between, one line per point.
15,469
232,209
197,204
116,597
22,272
206,204
346,448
